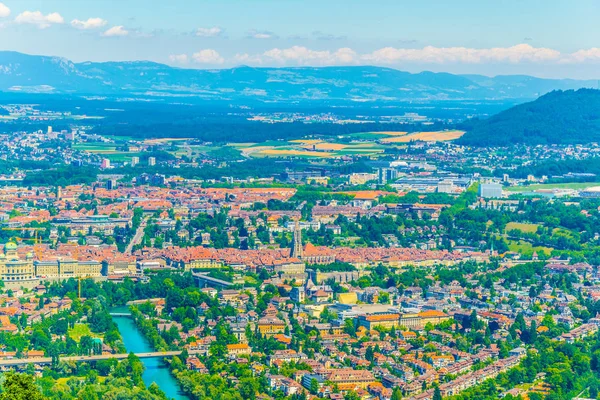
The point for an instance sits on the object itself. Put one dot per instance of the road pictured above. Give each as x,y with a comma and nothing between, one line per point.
137,238
48,360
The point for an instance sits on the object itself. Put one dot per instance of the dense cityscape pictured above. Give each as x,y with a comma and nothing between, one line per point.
435,270
328,200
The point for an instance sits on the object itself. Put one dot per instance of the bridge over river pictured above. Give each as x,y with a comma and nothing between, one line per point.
48,360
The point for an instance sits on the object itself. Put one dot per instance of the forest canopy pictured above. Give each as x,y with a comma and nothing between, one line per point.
559,117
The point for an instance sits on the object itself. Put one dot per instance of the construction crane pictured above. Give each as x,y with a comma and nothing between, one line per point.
75,255
23,229
37,249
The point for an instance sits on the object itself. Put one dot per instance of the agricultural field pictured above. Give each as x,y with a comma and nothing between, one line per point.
392,133
370,144
295,153
108,150
164,140
97,148
308,148
436,136
374,136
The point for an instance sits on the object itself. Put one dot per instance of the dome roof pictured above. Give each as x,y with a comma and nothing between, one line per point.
10,246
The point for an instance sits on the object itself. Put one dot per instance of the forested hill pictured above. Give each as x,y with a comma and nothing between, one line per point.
559,117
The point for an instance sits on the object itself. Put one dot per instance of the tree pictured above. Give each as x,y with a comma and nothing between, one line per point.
384,298
351,395
396,394
349,327
217,351
437,395
248,388
155,390
314,386
534,396
19,387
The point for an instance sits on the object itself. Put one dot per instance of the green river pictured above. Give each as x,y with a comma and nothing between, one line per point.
156,370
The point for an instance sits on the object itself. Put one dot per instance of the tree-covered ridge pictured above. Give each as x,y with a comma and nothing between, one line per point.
559,117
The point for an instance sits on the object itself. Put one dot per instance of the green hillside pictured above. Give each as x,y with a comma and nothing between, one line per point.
559,117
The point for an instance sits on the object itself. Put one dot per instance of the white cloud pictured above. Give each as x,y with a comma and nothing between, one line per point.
245,58
179,58
300,55
345,55
118,30
209,32
254,34
398,57
4,11
91,23
39,19
442,55
208,56
584,55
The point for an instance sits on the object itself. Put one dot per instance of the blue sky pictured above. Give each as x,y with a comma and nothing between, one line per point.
543,38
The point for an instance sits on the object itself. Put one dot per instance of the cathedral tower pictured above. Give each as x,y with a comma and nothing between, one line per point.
297,248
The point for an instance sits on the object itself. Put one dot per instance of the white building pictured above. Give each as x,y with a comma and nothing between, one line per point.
490,190
445,186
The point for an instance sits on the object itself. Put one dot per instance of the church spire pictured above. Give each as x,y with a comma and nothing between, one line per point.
297,249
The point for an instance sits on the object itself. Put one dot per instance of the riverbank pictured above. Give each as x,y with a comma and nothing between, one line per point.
155,368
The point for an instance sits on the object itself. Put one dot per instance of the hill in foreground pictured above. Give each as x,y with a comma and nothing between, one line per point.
559,117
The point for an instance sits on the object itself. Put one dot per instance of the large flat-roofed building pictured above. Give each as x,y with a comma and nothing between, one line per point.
270,326
354,311
89,268
445,186
46,269
419,320
350,379
18,269
94,223
119,267
361,178
386,321
291,176
590,192
490,190
385,175
67,268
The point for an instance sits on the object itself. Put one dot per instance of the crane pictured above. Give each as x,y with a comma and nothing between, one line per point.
36,239
38,250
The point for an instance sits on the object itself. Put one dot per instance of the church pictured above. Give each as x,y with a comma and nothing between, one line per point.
310,254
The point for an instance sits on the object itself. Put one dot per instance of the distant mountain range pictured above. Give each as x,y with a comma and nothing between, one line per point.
559,117
41,74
